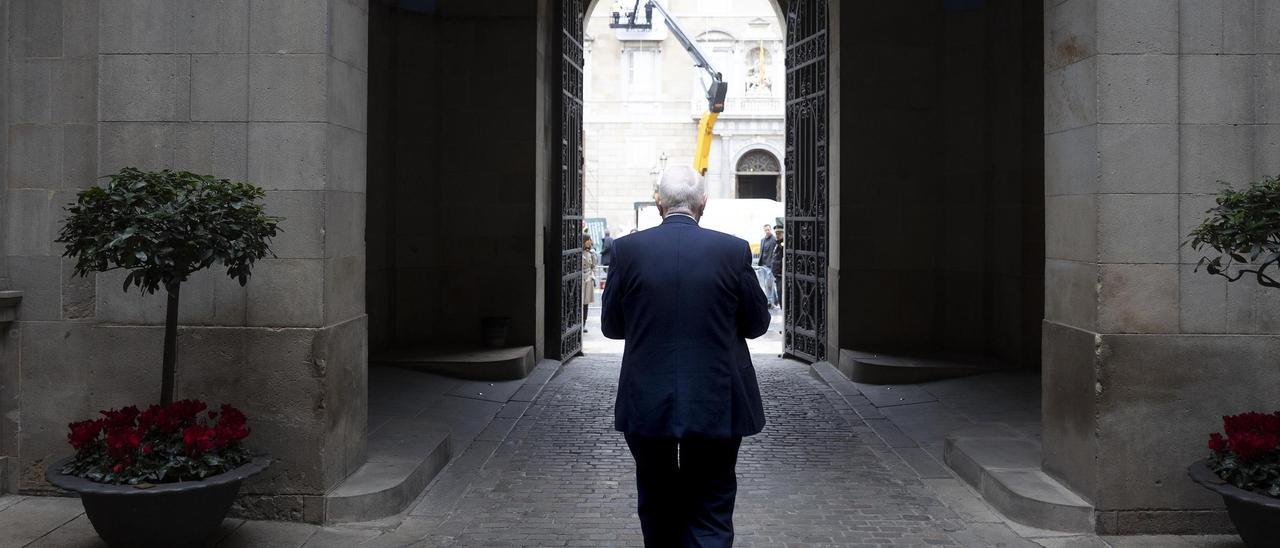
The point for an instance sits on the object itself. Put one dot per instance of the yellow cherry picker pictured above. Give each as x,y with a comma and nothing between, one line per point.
715,90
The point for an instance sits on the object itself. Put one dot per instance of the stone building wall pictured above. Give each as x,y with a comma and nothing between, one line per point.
272,92
626,133
1148,105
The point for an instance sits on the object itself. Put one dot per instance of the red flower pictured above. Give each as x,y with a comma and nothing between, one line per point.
117,468
121,442
146,449
1217,443
84,433
120,418
160,418
186,410
199,439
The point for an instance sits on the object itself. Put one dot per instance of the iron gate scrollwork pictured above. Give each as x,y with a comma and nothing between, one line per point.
805,255
569,199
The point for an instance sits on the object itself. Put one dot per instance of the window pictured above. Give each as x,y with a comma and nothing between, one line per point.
642,72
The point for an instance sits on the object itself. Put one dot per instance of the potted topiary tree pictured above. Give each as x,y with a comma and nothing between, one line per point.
1243,231
165,476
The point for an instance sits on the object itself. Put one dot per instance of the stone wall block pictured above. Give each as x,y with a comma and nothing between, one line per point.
39,277
344,288
219,87
1192,210
1268,89
78,292
302,230
1201,25
1071,161
345,350
1202,301
289,88
137,26
348,159
348,96
1138,228
288,156
1137,26
1149,431
1266,150
218,149
80,21
31,91
350,26
286,293
1217,89
144,145
1267,16
144,88
1068,383
1140,89
196,303
1138,298
32,222
288,26
37,28
212,26
1071,96
1214,154
74,95
1239,21
79,157
35,158
344,218
1071,224
1071,293
1138,158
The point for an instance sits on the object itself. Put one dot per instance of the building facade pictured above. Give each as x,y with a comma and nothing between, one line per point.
643,99
1007,178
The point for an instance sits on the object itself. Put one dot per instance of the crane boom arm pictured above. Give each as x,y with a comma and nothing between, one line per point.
716,91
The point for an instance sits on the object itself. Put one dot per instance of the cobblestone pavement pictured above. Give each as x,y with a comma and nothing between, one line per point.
815,477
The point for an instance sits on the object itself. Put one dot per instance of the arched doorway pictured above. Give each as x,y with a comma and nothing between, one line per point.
758,175
805,175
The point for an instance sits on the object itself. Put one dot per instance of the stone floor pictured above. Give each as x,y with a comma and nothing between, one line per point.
817,476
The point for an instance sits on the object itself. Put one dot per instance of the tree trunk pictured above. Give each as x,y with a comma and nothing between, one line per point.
170,345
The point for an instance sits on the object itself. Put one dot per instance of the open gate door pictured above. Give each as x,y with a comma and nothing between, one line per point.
564,243
805,256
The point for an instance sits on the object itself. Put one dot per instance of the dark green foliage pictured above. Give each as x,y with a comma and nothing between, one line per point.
1260,475
162,226
1244,230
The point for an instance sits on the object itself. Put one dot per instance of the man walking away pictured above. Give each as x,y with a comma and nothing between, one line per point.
685,299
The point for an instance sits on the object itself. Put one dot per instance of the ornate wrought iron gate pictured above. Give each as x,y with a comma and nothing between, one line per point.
805,256
567,234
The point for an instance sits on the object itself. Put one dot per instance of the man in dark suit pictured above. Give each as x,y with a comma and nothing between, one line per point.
606,248
685,299
767,246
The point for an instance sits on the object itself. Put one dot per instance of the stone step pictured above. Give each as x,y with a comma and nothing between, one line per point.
1006,472
487,364
404,455
901,368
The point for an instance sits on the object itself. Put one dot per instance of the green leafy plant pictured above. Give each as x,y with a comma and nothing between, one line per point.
1244,230
161,227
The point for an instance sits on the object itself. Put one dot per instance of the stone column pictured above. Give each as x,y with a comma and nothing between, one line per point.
1147,106
268,91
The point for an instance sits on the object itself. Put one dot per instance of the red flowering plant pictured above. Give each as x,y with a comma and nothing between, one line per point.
1248,456
181,441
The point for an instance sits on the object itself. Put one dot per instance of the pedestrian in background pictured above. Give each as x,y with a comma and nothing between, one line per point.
767,246
776,265
588,278
606,247
685,299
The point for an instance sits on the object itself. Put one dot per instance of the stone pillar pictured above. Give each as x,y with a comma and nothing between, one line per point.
268,91
1147,106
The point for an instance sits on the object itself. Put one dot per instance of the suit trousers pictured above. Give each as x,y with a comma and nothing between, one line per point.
686,490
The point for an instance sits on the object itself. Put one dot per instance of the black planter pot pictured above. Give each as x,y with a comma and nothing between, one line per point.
1256,516
185,513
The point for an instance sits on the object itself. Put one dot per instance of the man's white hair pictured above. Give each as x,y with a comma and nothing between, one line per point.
681,187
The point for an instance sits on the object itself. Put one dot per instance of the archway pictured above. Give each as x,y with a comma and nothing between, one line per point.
758,174
806,178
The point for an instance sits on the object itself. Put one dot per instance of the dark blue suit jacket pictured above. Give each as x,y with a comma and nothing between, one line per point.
685,299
